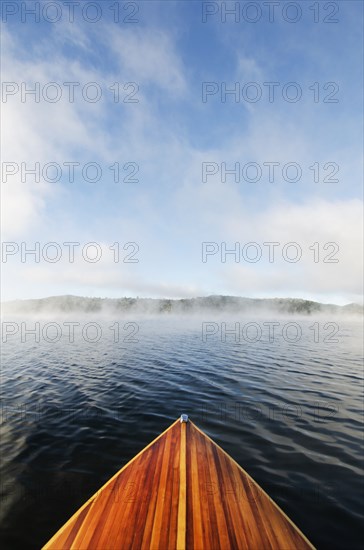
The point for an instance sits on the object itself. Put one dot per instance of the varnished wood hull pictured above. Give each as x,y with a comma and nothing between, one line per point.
181,492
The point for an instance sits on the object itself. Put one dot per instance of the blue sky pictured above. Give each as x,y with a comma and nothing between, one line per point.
170,134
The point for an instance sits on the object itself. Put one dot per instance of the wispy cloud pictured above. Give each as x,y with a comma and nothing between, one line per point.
169,133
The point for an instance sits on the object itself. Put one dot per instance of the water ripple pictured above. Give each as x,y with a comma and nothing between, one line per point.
290,414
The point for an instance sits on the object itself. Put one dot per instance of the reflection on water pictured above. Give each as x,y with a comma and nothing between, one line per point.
286,407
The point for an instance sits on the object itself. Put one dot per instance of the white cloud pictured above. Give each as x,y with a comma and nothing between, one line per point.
171,212
148,56
58,132
318,221
248,69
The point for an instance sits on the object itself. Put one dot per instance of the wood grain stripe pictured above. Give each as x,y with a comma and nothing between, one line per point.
182,498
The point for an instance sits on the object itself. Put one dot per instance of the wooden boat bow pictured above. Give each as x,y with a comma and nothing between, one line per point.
180,492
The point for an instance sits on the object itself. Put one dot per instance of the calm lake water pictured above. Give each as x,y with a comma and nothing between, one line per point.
286,405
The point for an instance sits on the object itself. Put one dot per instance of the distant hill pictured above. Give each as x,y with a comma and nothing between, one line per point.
223,304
